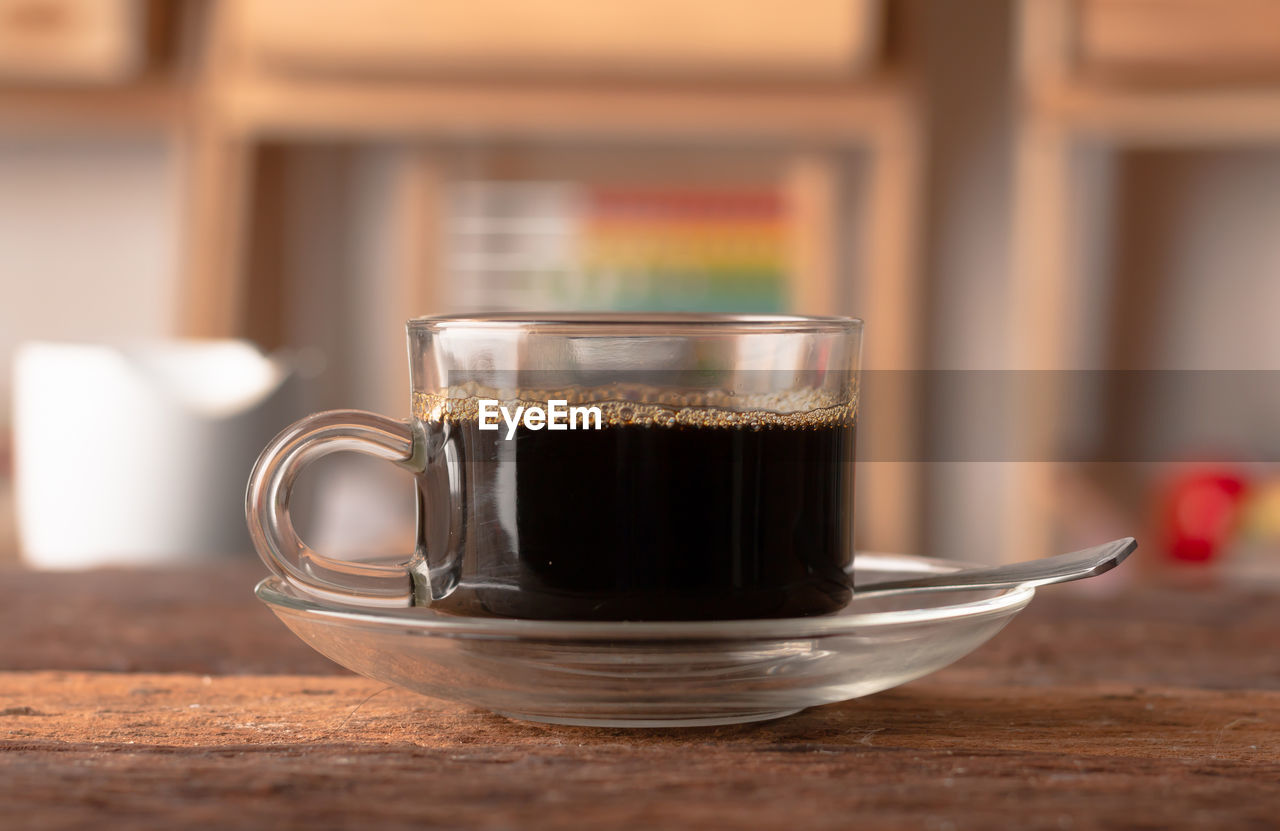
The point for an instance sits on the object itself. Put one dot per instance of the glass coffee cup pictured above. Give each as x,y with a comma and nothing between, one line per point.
601,467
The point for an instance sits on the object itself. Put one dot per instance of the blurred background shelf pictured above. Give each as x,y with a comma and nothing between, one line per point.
1146,174
323,148
577,98
991,184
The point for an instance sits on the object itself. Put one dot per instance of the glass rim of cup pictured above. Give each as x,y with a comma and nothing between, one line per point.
665,323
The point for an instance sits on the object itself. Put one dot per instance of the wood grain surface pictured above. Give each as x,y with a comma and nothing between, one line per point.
172,699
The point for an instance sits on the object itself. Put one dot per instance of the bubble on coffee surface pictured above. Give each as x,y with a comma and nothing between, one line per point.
623,405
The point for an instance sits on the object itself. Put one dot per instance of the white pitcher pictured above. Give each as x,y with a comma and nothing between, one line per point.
136,454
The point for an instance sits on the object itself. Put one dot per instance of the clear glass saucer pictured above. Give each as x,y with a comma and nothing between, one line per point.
659,674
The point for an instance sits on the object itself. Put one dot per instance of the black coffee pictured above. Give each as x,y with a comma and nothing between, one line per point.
719,519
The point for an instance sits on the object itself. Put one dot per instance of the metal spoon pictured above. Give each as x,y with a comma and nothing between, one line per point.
1074,566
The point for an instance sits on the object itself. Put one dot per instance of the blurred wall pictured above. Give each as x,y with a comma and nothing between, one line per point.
88,240
1198,287
1201,243
968,54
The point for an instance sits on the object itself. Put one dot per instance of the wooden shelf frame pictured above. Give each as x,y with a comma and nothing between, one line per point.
1162,118
836,114
153,103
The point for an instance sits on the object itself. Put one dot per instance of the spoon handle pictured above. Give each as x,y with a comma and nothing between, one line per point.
1074,566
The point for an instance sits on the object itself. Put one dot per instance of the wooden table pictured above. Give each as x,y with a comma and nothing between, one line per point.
172,699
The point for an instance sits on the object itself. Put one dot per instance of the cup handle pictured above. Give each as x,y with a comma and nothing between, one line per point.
270,488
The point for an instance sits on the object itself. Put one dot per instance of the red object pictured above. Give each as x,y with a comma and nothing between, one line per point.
1202,508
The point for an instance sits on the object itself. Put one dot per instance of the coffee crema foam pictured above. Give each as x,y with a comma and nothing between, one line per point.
651,407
